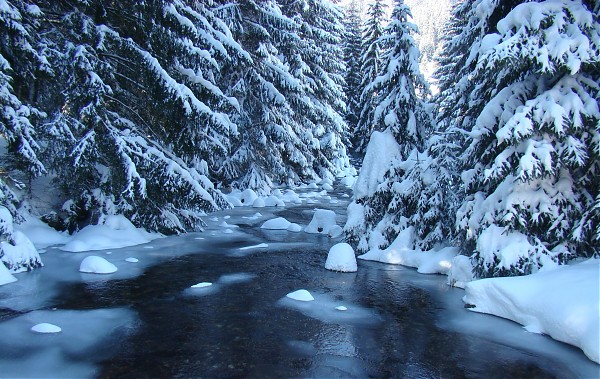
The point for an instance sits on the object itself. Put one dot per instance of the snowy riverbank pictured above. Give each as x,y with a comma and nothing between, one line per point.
562,302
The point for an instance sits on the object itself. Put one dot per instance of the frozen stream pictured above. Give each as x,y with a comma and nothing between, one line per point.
146,321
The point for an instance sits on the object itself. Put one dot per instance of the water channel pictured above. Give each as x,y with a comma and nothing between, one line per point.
398,324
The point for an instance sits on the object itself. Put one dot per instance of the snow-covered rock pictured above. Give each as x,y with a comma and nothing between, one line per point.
116,232
341,258
21,255
322,222
335,231
259,202
94,264
45,328
461,271
234,199
300,295
248,196
291,197
563,303
281,223
274,201
327,187
294,228
5,275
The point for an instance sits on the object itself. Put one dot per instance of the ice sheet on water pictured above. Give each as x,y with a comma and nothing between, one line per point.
323,308
239,277
259,246
83,334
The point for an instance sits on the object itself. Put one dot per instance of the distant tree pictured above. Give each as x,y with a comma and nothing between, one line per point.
352,59
370,67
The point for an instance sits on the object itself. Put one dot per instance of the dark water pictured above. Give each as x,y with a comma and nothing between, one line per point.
241,328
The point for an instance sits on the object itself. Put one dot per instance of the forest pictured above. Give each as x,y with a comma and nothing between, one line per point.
155,109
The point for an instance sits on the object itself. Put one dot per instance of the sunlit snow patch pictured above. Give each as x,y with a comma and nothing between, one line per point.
341,258
46,328
132,260
94,264
300,295
341,308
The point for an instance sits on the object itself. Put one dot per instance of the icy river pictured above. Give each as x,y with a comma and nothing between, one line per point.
145,320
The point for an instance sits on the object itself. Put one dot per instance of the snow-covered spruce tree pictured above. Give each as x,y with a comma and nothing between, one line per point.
370,67
530,161
352,56
321,31
22,62
111,152
270,147
406,195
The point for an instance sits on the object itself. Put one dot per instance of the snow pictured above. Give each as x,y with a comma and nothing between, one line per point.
341,308
274,201
335,231
94,264
40,234
327,187
259,203
45,328
259,246
322,222
461,271
202,285
281,223
5,275
116,232
341,258
132,260
381,152
563,303
248,197
20,256
300,295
